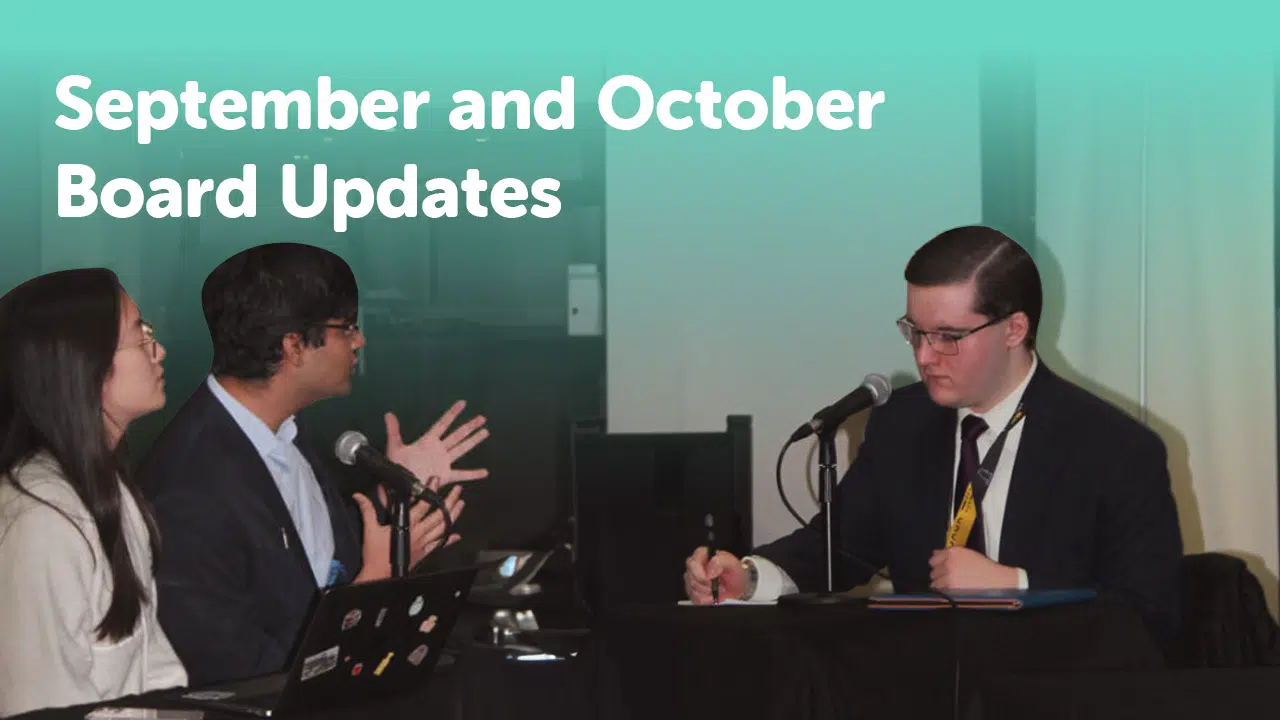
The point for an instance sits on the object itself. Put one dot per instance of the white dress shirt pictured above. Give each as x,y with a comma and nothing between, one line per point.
295,479
55,589
774,582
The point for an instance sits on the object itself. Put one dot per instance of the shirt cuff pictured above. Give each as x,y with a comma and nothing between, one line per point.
773,581
1023,582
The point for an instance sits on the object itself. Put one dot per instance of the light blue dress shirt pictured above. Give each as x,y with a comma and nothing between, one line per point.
295,479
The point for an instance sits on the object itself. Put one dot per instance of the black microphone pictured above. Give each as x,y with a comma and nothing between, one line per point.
352,448
875,390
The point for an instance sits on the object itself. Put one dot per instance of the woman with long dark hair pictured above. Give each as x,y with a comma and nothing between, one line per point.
77,540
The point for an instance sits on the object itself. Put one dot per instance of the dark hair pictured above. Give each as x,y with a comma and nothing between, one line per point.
58,338
1005,277
258,296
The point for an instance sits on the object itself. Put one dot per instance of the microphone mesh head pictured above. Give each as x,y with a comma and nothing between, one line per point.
879,387
348,444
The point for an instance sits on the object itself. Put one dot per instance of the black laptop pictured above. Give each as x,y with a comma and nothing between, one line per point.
364,643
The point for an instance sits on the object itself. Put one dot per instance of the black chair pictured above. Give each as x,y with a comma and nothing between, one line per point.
1225,620
641,504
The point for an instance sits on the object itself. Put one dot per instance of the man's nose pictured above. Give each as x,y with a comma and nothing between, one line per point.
925,354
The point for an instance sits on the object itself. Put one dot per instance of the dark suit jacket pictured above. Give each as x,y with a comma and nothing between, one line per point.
232,597
1089,504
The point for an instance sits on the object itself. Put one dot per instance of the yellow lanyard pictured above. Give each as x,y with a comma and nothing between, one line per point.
967,515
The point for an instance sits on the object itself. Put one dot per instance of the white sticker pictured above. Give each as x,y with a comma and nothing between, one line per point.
416,607
351,620
212,695
122,713
320,663
417,655
381,614
127,713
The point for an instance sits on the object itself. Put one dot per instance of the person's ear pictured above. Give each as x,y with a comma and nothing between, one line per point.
292,350
1016,328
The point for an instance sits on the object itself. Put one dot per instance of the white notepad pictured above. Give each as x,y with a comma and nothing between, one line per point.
732,602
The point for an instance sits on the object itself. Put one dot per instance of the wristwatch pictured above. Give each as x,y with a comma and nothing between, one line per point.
753,578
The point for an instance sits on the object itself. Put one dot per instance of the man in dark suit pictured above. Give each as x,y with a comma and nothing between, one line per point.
252,525
1079,495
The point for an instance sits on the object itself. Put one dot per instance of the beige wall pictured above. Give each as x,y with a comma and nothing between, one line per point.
1156,222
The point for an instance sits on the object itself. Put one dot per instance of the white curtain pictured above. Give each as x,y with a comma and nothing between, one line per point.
1155,192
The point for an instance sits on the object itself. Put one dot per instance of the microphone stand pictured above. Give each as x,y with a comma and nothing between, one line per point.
399,533
826,498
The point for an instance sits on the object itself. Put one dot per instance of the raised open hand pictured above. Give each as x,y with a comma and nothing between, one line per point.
430,458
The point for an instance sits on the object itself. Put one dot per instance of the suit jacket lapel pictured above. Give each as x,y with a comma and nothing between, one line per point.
258,477
938,473
1039,453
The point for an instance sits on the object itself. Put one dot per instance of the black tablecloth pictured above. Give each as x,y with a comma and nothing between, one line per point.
1081,661
1199,694
843,661
437,702
478,684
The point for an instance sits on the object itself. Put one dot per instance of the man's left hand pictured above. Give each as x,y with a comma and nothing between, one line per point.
430,458
960,568
426,529
426,526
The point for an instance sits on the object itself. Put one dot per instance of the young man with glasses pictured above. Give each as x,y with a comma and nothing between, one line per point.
252,523
1075,492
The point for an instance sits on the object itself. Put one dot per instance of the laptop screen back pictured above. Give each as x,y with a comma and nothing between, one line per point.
374,640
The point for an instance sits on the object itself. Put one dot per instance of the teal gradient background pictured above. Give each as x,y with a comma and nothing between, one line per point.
1131,148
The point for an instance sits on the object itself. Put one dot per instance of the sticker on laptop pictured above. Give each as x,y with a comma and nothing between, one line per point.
355,671
416,607
418,654
351,620
385,662
428,625
382,614
126,713
320,663
209,695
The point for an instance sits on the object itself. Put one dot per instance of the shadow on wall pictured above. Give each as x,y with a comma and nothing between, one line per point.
1055,304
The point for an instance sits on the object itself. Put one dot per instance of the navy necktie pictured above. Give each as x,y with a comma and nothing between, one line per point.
970,429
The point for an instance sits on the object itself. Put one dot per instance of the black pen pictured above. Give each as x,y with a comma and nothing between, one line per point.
711,554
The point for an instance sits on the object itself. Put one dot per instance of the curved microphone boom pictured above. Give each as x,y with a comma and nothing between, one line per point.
874,390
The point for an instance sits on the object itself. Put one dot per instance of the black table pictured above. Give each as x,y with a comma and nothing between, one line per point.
844,661
1080,661
1173,694
478,683
438,702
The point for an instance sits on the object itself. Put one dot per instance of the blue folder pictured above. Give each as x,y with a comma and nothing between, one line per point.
1005,600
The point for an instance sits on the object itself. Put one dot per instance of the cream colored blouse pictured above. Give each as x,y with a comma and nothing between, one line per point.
55,588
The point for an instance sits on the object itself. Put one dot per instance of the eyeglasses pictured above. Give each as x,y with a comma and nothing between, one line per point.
349,328
148,340
943,342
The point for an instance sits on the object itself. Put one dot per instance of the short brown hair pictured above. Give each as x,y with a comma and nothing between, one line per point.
1004,275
